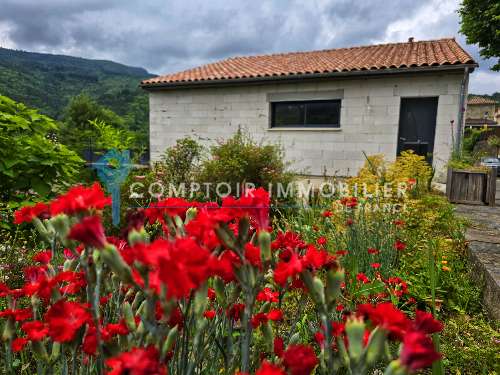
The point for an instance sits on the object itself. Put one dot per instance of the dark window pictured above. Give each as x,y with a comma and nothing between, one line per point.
317,113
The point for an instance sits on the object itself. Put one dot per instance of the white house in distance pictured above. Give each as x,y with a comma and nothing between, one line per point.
325,107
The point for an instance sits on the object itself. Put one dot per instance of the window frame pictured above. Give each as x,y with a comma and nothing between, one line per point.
304,125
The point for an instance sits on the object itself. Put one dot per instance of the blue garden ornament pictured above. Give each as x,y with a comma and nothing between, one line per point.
112,169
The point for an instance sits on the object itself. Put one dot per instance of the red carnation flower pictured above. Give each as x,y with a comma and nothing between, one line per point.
114,329
223,266
373,251
43,257
288,241
35,330
89,231
350,202
80,199
19,315
267,368
252,254
68,254
424,322
183,266
284,270
18,344
137,361
363,278
387,317
176,318
275,315
321,241
236,311
327,213
209,314
338,329
202,228
258,319
4,290
267,295
418,351
300,359
400,246
314,258
375,265
65,318
211,294
254,203
398,223
27,213
319,337
171,206
278,346
89,345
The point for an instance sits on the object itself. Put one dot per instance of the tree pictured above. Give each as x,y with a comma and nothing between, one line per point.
83,116
481,25
77,131
109,137
30,157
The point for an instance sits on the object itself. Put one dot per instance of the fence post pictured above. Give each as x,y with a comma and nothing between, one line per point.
492,187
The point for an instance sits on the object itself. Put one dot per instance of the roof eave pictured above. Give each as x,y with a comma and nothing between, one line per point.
294,77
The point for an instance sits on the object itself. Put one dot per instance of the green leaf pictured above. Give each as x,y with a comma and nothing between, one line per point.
40,186
9,172
9,163
372,288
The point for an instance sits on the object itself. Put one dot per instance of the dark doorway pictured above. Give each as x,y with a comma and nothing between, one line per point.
417,126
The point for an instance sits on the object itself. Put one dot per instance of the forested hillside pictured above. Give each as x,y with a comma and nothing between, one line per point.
48,82
75,91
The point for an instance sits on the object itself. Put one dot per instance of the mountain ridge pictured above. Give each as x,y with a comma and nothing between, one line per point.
49,81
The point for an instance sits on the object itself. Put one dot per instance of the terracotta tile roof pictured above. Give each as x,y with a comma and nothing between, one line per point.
480,100
376,57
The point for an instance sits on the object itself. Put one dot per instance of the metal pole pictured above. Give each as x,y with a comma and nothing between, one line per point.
462,106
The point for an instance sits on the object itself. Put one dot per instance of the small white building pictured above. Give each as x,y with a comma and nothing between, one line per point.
325,107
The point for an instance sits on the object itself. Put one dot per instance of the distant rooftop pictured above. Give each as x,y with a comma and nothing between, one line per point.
480,100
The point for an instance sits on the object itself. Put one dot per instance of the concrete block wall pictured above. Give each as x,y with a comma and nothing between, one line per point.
368,122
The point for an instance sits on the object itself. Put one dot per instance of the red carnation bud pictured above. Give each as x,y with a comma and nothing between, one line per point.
89,231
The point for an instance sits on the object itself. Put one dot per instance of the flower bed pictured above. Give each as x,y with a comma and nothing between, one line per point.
202,287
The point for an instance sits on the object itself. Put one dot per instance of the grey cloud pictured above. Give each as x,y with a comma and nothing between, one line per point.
166,35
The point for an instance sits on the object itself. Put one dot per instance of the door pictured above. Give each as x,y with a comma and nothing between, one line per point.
417,126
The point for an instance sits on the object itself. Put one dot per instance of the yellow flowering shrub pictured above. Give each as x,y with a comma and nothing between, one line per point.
408,168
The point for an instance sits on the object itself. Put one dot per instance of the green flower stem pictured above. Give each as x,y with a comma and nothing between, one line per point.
92,297
437,366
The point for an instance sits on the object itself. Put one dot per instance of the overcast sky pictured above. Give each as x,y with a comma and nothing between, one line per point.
165,36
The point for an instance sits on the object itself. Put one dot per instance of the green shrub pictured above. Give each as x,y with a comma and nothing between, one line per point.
494,142
468,157
240,160
178,165
180,161
29,157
